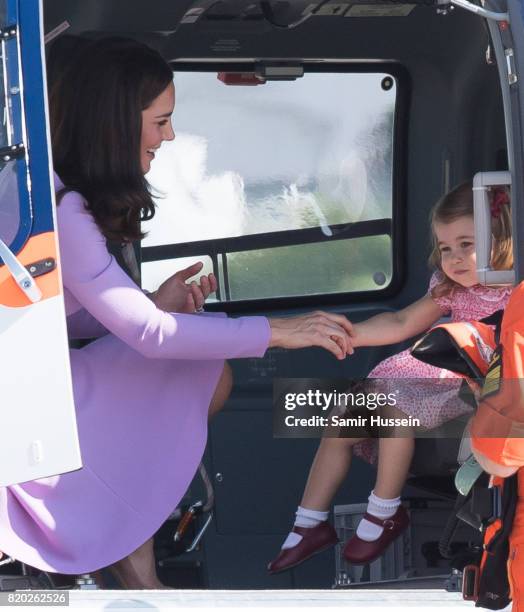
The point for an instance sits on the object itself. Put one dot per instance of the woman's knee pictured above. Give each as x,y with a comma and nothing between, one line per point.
222,391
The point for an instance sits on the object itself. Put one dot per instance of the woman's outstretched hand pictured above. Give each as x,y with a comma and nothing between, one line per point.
177,295
330,331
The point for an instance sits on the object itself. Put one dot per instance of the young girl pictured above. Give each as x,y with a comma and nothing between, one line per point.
453,290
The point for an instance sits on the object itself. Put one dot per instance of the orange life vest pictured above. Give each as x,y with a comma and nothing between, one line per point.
493,367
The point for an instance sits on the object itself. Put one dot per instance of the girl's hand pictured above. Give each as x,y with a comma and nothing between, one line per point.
176,295
330,331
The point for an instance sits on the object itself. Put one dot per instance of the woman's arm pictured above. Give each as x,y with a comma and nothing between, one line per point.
104,289
392,327
96,280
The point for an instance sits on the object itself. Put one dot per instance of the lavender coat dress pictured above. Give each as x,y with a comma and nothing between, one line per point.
142,392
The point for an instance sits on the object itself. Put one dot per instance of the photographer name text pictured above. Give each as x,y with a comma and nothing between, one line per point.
360,421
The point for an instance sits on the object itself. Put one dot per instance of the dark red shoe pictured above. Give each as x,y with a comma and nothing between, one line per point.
360,552
314,540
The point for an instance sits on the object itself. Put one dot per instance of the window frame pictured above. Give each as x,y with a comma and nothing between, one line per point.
279,238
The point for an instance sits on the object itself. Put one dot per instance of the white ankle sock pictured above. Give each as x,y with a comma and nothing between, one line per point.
382,509
305,518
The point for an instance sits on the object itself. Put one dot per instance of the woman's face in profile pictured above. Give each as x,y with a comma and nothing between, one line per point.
156,126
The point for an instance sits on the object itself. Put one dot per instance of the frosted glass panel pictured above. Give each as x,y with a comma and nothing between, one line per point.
284,155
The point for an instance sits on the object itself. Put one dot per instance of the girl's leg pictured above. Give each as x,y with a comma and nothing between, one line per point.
311,532
372,538
395,456
329,468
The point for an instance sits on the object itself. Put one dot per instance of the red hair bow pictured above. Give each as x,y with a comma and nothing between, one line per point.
500,198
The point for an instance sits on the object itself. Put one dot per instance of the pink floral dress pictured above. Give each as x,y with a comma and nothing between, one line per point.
462,304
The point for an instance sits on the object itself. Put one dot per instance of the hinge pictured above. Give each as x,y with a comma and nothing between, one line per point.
11,152
510,66
8,32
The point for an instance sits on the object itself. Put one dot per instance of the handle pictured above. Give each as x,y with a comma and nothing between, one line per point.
482,181
20,274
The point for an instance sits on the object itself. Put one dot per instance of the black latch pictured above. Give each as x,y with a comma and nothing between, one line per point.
43,266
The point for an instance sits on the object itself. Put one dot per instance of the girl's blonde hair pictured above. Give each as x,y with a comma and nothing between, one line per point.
459,203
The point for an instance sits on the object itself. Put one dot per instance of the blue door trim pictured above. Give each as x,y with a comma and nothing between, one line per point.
34,183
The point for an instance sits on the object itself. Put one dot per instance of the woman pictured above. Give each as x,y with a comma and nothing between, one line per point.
143,390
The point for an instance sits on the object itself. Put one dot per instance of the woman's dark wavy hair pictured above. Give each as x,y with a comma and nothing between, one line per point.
96,105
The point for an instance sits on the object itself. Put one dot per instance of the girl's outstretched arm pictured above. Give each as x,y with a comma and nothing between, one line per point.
392,327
